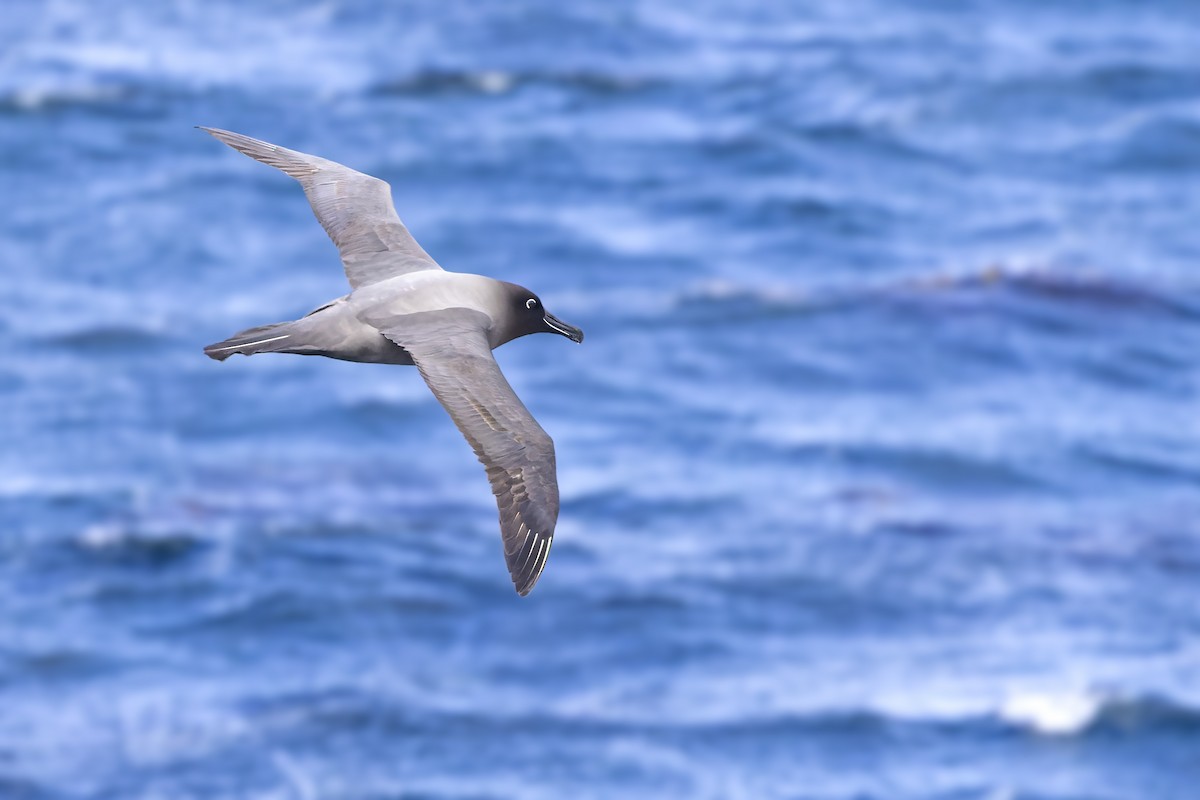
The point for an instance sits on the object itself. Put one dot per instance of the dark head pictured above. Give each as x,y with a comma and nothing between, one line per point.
526,315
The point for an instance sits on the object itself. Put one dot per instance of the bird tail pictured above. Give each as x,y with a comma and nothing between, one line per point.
273,338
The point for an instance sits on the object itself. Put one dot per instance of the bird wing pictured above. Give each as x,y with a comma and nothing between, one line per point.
355,209
451,349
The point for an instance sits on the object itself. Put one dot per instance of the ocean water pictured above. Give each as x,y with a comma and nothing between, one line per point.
880,464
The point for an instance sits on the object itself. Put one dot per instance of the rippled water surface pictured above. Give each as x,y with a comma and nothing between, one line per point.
880,464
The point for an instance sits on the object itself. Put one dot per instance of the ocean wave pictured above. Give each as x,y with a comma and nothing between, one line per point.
1065,714
95,86
191,50
1055,285
1051,714
1083,287
162,544
1076,714
68,57
491,82
59,489
34,98
1164,464
1062,715
1104,78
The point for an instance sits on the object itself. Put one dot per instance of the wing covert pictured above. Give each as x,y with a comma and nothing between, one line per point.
355,209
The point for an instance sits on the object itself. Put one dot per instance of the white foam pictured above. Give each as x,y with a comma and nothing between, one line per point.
102,536
494,81
1060,714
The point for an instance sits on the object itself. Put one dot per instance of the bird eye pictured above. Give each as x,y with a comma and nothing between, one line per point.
531,302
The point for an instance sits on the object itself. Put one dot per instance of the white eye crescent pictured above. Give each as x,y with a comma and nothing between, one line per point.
530,303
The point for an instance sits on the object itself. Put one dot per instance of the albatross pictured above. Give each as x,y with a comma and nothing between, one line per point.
403,308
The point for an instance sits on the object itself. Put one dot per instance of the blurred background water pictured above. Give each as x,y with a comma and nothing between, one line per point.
880,464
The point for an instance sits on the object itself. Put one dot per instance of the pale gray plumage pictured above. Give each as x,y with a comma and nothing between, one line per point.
356,211
404,309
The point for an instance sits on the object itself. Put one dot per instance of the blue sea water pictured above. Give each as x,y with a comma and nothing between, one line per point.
880,464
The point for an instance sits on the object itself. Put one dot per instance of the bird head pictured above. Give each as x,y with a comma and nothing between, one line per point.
526,314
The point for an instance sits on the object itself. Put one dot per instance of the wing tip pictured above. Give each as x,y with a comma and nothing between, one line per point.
257,149
526,577
524,585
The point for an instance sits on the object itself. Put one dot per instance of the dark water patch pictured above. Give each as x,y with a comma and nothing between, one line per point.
1091,290
303,615
121,546
845,724
1165,465
1139,83
51,514
18,788
1165,144
640,511
644,602
1111,718
928,529
326,708
759,603
957,471
840,218
1170,543
56,665
11,382
875,143
731,303
1092,94
380,415
997,289
1146,715
273,409
1164,373
1108,295
108,339
435,82
668,633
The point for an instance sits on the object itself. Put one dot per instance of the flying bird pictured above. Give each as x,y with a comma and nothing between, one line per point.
403,308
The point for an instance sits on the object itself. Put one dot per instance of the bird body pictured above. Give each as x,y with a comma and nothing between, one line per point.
339,328
405,309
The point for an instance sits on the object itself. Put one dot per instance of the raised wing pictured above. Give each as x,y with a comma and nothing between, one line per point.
451,350
355,209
